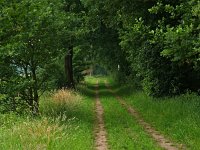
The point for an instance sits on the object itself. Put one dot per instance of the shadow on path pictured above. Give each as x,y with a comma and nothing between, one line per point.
89,90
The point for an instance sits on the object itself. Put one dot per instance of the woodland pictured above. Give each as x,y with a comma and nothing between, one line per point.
52,47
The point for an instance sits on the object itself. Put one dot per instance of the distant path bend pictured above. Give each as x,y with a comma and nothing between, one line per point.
100,132
159,138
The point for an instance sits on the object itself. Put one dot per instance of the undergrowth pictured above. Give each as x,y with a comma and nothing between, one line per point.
65,122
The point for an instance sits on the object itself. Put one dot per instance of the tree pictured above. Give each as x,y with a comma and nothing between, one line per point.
159,42
29,42
73,34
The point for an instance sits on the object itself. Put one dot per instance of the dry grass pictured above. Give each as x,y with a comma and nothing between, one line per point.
67,97
39,134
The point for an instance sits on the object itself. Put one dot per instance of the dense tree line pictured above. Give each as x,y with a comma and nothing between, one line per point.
159,40
154,44
35,37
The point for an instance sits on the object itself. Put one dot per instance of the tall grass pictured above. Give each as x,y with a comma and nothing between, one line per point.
67,97
65,122
28,134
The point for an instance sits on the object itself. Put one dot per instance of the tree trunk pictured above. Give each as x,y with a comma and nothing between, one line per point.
69,68
35,93
30,91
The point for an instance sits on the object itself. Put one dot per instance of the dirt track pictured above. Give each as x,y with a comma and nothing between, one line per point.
159,138
100,132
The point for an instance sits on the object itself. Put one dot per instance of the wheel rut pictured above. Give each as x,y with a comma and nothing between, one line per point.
100,132
159,138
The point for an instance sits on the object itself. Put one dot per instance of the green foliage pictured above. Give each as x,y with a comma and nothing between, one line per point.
29,42
164,53
80,62
156,47
182,41
159,44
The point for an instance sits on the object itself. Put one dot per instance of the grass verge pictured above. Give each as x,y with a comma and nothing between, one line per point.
178,118
66,122
123,130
